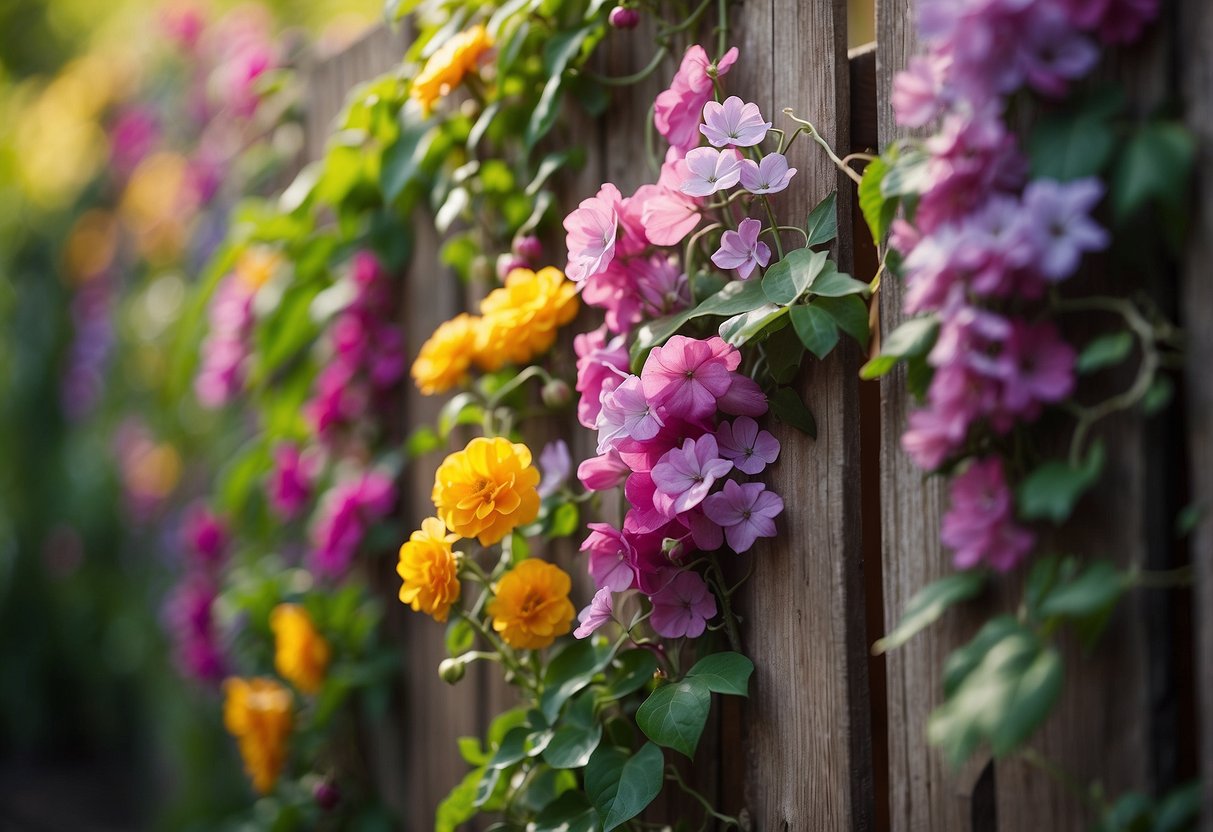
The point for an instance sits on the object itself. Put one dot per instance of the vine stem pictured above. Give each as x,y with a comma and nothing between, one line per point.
730,620
774,227
729,821
635,77
1063,778
817,137
1162,579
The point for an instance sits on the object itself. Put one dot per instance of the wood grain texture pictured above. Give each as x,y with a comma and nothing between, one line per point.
808,722
1196,67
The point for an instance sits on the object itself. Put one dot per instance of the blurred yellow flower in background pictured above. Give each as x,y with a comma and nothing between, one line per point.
444,359
158,204
531,606
446,67
301,655
257,712
91,246
519,321
255,266
429,570
487,489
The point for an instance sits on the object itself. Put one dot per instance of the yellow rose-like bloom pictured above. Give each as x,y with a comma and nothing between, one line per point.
257,712
446,67
301,655
519,321
444,359
427,567
487,489
531,606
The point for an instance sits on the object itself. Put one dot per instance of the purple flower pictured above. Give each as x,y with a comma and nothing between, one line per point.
205,534
687,376
1043,368
709,170
345,514
749,449
743,398
769,176
555,465
601,364
682,607
979,525
626,412
290,484
733,123
1052,53
599,612
661,284
747,511
688,473
1063,228
742,250
611,556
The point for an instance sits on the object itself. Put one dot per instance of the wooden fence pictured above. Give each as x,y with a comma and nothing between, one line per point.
832,738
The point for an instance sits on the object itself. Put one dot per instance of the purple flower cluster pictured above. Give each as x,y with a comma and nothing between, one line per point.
983,239
190,607
345,513
225,350
368,353
92,339
683,465
290,484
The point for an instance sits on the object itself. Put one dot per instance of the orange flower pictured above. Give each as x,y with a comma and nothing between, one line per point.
446,67
257,712
429,571
444,359
487,489
519,321
531,606
301,655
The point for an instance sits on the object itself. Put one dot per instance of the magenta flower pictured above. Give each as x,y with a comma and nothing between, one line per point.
205,534
1063,228
917,96
626,412
676,111
742,250
688,473
733,123
591,232
1044,368
687,376
598,613
555,465
709,170
743,398
345,514
749,449
747,511
683,607
226,348
598,473
611,556
290,484
601,365
770,176
661,284
980,525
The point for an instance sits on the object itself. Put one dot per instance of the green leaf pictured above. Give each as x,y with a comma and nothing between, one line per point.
1070,146
784,354
545,112
1104,351
788,279
1179,808
816,329
913,338
878,212
512,749
787,407
832,283
850,313
1158,396
908,174
735,298
1154,167
727,673
570,671
674,715
741,329
929,603
1091,593
577,735
566,519
421,441
472,751
822,224
551,163
621,787
1051,491
458,807
459,637
459,410
571,812
402,159
631,670
1003,697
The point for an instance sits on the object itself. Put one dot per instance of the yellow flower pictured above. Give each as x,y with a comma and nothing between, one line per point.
427,567
257,712
519,321
446,67
531,606
487,489
301,655
443,360
256,266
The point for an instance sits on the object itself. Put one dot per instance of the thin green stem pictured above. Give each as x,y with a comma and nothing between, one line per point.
635,77
693,18
730,620
1038,761
727,820
766,203
1162,579
817,137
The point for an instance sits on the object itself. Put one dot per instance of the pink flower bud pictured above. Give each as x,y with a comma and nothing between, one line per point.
624,17
327,795
528,247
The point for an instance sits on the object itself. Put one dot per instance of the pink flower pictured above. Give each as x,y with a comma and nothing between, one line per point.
611,556
687,376
918,95
591,232
1044,368
979,525
343,517
747,511
676,111
742,250
205,534
710,170
688,473
743,398
598,613
601,365
770,176
749,449
599,473
290,484
683,607
733,123
133,136
626,412
661,284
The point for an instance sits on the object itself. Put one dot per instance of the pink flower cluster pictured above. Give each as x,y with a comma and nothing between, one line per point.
983,240
225,350
368,352
290,484
190,607
345,514
681,438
